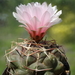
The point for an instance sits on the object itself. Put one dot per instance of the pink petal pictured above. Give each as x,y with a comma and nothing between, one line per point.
18,10
37,12
58,13
18,17
22,7
56,21
45,18
44,5
35,23
26,17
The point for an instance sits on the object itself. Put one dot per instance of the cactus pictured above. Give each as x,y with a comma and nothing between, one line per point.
36,56
31,58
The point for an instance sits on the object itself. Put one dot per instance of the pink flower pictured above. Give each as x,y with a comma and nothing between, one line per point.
37,18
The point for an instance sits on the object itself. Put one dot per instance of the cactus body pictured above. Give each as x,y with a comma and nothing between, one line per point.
31,58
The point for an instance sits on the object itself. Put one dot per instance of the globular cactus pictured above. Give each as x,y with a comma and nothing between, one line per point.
36,56
31,58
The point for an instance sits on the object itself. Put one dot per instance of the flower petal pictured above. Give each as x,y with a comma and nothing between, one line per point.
58,13
18,10
18,17
58,20
35,23
36,12
26,17
45,18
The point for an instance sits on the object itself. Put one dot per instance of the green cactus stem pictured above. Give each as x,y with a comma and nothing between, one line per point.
30,58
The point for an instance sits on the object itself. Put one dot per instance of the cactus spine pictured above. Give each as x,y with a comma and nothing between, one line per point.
31,58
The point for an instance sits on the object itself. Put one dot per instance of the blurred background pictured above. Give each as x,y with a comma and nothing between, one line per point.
63,33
